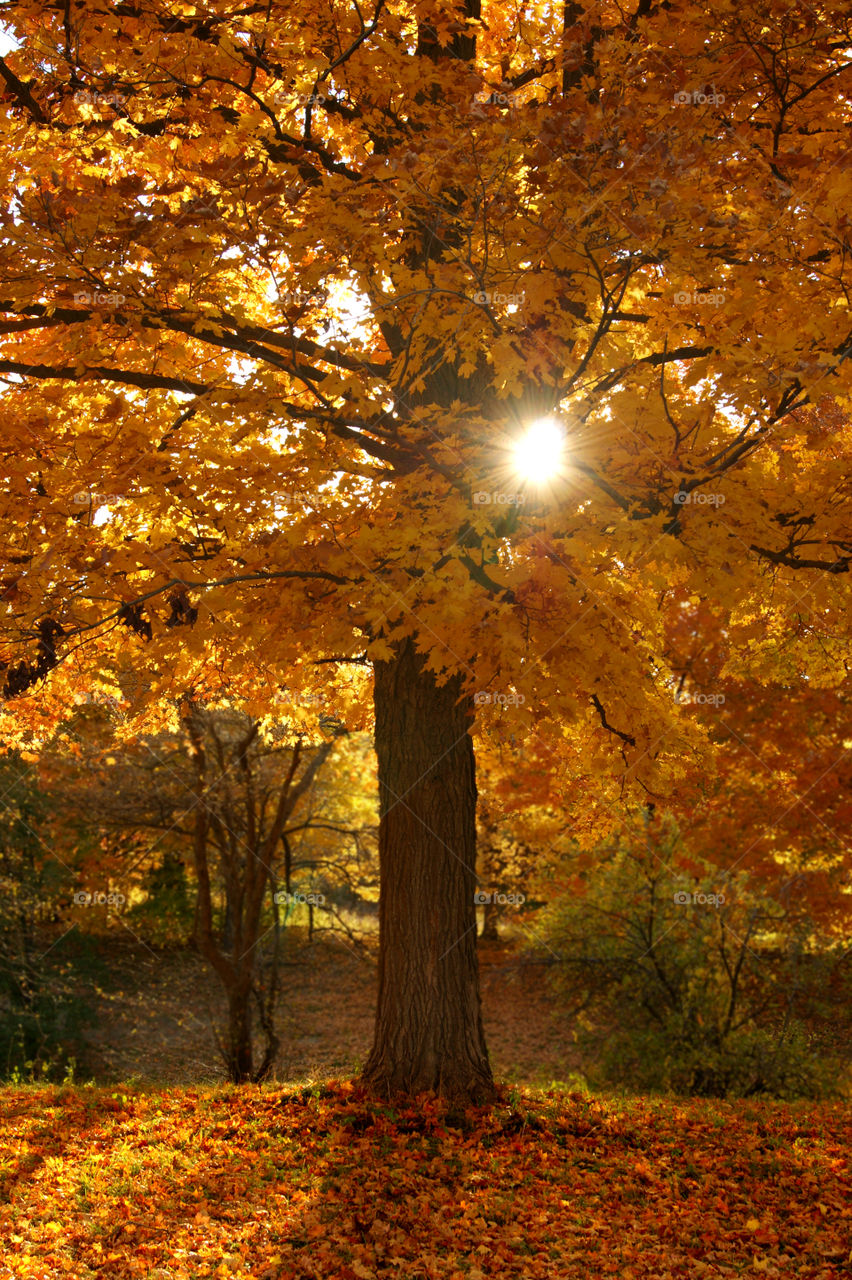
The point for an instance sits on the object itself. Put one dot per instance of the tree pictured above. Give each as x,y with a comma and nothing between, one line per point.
779,801
231,790
247,832
283,291
505,861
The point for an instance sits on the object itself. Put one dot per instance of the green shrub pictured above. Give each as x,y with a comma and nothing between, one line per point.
43,1034
42,1011
167,913
691,983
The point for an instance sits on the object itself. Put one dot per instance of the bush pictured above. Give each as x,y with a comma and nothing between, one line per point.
697,983
41,1013
167,913
43,1035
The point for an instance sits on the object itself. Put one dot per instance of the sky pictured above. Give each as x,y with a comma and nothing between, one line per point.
7,41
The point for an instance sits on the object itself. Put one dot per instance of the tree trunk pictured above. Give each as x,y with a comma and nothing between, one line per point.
239,1059
490,916
227,940
428,1033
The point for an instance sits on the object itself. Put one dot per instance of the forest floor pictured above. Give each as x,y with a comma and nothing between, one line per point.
163,1172
272,1183
155,1012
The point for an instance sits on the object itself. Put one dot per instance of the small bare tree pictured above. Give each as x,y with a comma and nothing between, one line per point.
246,792
229,789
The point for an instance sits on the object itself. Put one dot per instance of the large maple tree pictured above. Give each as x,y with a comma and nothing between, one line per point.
284,286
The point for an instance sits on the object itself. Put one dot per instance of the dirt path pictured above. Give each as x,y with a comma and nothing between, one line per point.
155,1018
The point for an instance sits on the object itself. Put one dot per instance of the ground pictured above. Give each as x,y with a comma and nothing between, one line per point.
323,1184
168,1174
156,1009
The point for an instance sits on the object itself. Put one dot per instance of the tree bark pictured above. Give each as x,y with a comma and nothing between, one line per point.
428,1033
239,1056
490,916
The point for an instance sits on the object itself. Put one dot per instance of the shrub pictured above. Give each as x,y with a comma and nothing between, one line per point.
41,1012
691,983
166,915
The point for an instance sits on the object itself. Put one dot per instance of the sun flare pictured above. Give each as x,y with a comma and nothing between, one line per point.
539,453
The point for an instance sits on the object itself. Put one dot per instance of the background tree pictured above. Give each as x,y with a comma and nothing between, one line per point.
505,863
227,792
246,829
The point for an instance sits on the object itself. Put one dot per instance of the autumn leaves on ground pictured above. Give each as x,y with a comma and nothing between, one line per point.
320,1182
313,1180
